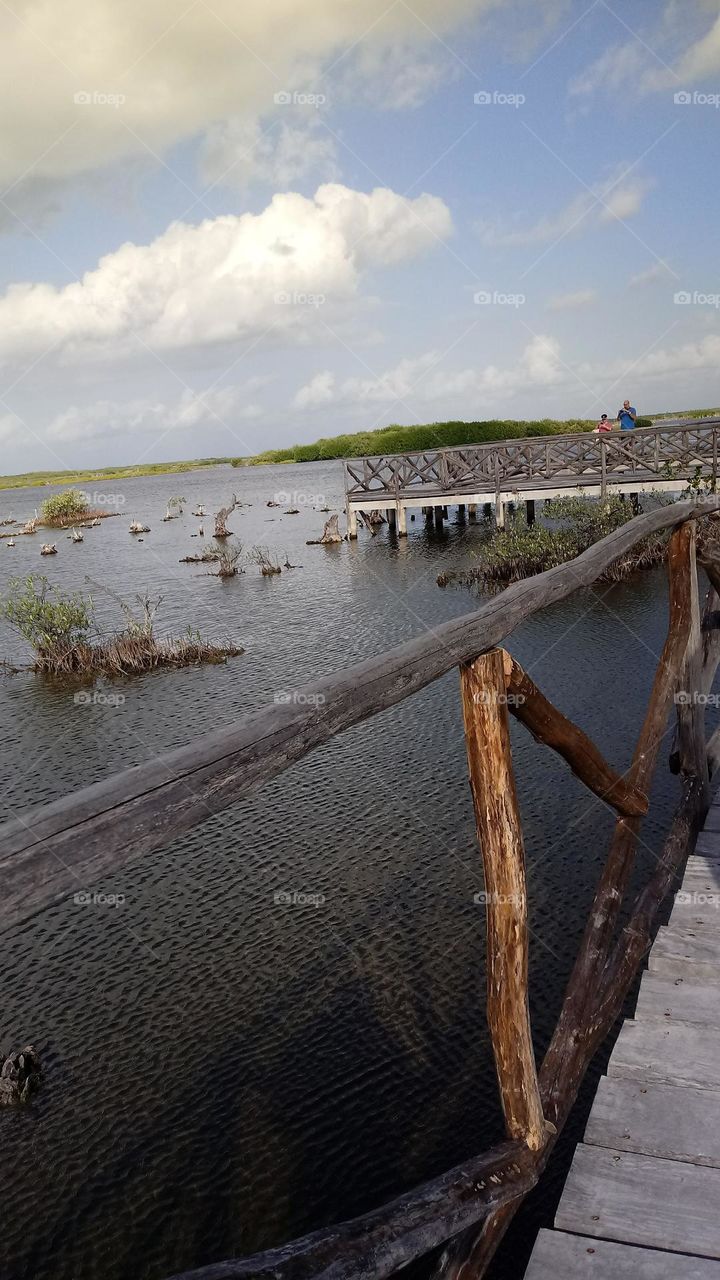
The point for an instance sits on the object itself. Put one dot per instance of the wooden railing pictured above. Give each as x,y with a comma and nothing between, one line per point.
675,452
51,851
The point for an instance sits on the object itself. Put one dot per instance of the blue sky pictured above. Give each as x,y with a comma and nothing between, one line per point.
195,265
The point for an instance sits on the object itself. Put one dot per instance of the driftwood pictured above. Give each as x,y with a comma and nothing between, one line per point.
221,529
331,533
102,827
492,781
48,549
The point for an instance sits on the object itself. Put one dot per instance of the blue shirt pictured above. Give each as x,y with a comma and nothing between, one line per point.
627,422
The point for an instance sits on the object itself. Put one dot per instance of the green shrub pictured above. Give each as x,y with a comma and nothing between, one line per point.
71,504
45,617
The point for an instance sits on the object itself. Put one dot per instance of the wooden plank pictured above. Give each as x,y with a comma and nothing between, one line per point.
709,843
695,908
46,853
560,1256
637,1199
685,954
667,1121
666,999
499,832
679,1053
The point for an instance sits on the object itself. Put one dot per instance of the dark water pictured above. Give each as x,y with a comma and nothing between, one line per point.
226,1070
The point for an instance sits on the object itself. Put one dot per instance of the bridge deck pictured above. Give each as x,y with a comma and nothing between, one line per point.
642,1198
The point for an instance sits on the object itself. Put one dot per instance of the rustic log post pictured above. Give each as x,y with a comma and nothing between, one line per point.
553,729
487,738
690,696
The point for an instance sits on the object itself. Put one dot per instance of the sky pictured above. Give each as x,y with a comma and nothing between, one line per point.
228,227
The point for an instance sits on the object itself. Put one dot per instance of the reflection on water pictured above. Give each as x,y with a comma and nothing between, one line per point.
226,1069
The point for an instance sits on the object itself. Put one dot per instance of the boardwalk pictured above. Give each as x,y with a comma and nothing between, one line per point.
644,1185
649,459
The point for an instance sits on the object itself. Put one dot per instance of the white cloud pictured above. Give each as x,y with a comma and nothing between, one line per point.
229,278
571,301
149,417
657,271
238,152
10,426
613,198
177,69
615,69
637,67
422,380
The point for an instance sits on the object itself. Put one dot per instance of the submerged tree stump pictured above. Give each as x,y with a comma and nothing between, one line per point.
19,1076
331,533
221,529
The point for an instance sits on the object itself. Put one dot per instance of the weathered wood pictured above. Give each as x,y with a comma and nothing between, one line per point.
553,729
683,954
678,1053
378,1243
492,781
560,1077
663,1204
660,1120
595,945
560,1256
692,751
665,999
49,852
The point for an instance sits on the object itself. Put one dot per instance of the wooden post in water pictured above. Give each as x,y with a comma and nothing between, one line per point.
487,738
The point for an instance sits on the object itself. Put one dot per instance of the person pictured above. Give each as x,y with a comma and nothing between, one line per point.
627,416
604,424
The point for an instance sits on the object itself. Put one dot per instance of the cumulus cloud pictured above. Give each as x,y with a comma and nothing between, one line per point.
232,277
571,301
77,93
150,417
613,198
424,380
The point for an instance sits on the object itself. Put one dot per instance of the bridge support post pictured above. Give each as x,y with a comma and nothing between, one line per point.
500,514
401,521
472,510
351,522
530,510
438,514
461,511
391,517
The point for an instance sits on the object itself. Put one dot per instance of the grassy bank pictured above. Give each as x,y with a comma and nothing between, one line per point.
432,435
31,479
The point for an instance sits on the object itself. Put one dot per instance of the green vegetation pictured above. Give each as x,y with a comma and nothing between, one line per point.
521,549
31,479
57,626
64,507
433,435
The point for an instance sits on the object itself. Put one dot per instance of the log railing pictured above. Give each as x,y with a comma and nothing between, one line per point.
658,453
55,849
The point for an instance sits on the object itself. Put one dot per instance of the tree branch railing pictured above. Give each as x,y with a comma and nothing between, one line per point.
662,452
53,850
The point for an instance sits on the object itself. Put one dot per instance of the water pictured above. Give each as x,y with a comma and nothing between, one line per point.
223,1070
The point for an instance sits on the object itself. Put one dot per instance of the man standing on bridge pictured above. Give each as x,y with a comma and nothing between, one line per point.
627,416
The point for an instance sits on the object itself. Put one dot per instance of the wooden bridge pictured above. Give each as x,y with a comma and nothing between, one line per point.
52,851
662,458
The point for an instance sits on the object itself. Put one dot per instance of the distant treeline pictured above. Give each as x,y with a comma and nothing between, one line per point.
432,435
